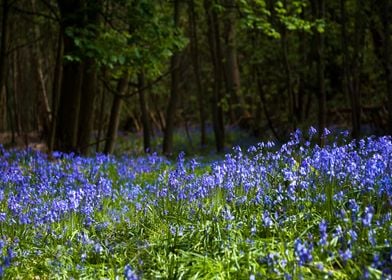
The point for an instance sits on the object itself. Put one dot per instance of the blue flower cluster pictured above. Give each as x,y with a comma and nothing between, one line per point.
325,209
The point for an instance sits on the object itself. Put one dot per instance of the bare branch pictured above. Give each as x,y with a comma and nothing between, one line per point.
31,13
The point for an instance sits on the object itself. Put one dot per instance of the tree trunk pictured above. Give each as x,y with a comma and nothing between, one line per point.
86,118
3,52
68,113
387,32
101,119
231,62
115,114
89,86
56,88
44,110
319,11
196,68
145,116
303,53
264,103
13,95
381,40
216,57
287,68
174,92
355,93
346,58
72,78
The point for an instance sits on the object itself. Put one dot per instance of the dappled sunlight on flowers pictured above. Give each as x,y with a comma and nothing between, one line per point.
287,212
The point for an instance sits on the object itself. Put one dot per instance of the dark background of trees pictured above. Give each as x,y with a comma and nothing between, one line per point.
78,71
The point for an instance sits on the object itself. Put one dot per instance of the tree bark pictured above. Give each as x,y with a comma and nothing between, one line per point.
216,57
3,52
264,104
302,79
344,42
319,11
89,86
231,62
355,90
387,33
174,92
196,69
72,78
44,110
101,119
145,116
115,114
56,90
287,68
88,94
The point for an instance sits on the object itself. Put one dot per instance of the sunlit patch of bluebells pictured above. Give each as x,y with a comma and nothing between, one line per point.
290,211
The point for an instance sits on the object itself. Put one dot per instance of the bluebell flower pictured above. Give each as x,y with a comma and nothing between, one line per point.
354,208
353,235
267,221
98,248
371,237
129,274
227,215
302,252
326,132
320,266
312,132
346,254
323,233
368,216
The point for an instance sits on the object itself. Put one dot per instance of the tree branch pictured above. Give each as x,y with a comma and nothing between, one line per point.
133,93
31,13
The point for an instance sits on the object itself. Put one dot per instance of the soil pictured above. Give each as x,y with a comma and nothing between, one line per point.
31,140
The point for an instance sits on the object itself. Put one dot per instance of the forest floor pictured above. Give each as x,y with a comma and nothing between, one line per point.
24,140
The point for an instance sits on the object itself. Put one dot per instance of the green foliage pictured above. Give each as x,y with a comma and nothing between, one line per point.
144,39
256,17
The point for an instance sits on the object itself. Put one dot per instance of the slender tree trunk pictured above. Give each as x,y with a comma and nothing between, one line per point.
115,114
355,93
4,40
216,57
3,52
287,67
3,58
56,89
174,92
10,115
381,35
301,95
101,119
231,62
196,68
344,42
264,103
303,53
43,102
13,96
319,11
387,32
145,116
